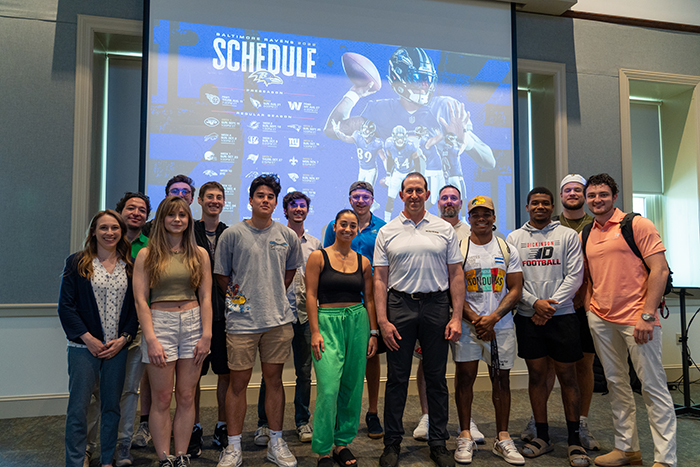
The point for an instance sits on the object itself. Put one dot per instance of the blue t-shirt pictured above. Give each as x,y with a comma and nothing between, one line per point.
363,243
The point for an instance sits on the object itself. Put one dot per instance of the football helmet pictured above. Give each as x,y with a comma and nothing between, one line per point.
400,135
412,74
368,129
421,131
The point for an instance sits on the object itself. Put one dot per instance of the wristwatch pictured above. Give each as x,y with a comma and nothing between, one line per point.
374,332
126,336
648,318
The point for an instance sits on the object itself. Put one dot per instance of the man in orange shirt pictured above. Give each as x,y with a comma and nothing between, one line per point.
622,299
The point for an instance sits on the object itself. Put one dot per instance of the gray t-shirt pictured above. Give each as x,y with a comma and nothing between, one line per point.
255,261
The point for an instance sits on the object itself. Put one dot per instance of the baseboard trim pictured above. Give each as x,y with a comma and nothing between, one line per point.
41,405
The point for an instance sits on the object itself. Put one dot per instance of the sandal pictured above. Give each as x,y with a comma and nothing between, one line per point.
344,457
577,456
537,447
325,462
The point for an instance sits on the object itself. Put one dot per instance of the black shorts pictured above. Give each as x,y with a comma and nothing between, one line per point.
586,338
559,338
217,357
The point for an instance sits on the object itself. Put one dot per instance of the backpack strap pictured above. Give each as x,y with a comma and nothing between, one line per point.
505,251
502,245
584,236
464,249
628,234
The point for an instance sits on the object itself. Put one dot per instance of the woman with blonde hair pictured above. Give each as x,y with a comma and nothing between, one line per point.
96,309
173,274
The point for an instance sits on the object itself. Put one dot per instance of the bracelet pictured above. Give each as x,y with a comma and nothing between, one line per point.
374,335
353,96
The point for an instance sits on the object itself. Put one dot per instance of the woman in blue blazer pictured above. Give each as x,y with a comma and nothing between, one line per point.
97,312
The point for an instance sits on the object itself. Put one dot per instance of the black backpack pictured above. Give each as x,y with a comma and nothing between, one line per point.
628,235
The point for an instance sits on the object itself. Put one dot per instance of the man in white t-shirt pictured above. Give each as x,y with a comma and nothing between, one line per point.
494,283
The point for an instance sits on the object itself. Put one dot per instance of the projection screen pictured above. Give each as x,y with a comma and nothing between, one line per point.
324,93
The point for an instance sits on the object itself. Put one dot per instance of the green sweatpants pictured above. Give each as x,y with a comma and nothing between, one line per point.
340,376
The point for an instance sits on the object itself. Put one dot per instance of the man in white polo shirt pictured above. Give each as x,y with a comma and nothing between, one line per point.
417,258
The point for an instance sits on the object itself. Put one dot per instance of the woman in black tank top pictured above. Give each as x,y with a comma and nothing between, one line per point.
338,280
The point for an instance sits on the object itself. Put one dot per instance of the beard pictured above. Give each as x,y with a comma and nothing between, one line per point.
573,205
449,211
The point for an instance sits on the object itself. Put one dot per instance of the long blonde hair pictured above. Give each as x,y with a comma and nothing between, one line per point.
90,246
159,252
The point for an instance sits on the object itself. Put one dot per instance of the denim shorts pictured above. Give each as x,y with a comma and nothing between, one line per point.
177,331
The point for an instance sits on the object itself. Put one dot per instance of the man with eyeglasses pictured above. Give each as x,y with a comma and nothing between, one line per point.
361,196
179,185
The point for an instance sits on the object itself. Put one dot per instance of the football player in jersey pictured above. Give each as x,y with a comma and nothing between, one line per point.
413,76
405,155
428,141
452,166
369,147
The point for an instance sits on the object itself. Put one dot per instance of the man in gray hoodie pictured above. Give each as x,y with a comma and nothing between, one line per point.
546,323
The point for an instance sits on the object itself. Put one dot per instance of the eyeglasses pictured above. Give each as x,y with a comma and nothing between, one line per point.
361,197
178,191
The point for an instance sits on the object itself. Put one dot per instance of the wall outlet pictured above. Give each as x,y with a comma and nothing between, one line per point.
678,338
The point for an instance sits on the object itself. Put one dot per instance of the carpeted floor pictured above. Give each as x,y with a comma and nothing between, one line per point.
29,442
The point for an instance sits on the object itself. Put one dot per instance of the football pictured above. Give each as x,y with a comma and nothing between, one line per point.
361,71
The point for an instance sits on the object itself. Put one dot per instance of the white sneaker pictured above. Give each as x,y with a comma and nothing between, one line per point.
230,457
306,433
507,450
421,431
477,435
262,436
588,441
142,436
465,450
279,454
530,431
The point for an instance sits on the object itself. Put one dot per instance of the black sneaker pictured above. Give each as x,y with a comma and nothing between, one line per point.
374,426
220,439
182,461
390,456
167,462
441,456
195,447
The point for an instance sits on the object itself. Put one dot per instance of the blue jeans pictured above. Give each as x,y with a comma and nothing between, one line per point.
84,372
301,346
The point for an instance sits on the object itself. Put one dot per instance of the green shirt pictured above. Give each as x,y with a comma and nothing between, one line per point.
576,224
138,243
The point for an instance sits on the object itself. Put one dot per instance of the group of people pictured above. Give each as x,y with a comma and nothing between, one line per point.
562,288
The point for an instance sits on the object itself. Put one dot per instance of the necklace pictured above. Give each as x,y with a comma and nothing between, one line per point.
341,255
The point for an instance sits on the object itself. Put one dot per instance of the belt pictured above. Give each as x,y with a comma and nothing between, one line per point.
418,295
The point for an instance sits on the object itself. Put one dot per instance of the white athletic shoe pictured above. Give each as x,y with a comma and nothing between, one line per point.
280,454
530,431
588,441
230,457
306,433
142,436
262,436
507,450
465,450
421,431
477,435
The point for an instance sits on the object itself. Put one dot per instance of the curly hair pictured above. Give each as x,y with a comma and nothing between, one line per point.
128,195
602,179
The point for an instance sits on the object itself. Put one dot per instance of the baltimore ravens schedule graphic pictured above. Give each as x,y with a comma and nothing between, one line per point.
229,104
